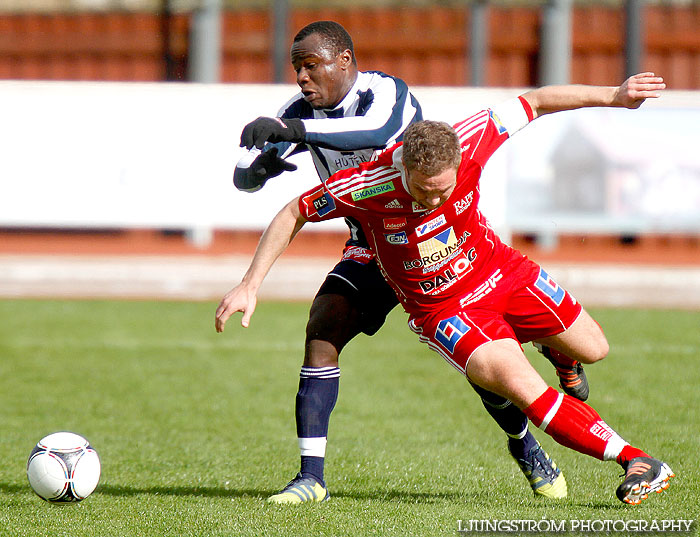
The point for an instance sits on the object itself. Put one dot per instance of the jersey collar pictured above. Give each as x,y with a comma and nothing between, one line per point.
346,102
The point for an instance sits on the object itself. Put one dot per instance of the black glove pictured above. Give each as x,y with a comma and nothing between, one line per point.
268,129
268,165
265,166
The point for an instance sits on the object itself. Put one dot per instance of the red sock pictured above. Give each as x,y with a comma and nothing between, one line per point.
628,453
562,359
575,425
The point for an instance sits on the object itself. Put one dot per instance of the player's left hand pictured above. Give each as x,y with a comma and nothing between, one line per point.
240,298
637,88
269,129
268,164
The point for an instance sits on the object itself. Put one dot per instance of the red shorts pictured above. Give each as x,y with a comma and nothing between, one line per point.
524,305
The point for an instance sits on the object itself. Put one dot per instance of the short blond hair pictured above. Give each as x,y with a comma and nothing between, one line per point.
431,147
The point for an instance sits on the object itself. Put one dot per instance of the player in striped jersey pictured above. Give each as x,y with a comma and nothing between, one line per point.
370,110
344,117
471,298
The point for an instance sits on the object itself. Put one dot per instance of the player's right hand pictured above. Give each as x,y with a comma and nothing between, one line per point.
272,129
637,88
240,298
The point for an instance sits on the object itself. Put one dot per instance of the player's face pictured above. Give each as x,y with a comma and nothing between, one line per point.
324,78
431,191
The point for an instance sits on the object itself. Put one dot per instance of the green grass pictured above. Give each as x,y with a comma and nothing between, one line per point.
195,429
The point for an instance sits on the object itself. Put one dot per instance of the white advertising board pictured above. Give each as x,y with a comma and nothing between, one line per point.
114,155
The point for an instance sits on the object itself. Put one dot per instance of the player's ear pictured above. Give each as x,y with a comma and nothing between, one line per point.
345,59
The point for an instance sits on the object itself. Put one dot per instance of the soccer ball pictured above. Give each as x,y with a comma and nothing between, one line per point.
63,467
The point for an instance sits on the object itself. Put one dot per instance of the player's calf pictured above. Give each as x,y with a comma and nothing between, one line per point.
576,425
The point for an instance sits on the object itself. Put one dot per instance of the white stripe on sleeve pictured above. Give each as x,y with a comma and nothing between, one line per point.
512,115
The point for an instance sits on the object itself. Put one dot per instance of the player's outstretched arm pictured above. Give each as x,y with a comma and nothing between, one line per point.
630,94
274,241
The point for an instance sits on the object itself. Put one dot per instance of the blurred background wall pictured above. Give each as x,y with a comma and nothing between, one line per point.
424,43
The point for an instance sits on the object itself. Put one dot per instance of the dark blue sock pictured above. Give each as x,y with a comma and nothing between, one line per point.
522,446
313,467
509,418
317,395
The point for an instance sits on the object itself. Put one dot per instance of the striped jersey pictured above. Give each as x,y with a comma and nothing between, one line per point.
431,258
371,117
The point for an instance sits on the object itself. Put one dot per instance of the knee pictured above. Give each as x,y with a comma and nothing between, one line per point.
319,353
331,325
320,349
603,349
598,349
329,318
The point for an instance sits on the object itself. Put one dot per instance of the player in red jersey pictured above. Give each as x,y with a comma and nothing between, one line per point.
342,117
471,298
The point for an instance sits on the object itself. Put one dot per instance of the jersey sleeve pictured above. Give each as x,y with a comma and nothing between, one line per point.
484,132
385,109
318,204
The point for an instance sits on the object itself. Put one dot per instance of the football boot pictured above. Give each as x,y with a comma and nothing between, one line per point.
642,476
301,490
545,478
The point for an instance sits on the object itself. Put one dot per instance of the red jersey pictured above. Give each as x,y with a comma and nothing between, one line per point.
431,258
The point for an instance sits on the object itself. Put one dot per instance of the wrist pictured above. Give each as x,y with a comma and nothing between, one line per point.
250,284
615,96
297,128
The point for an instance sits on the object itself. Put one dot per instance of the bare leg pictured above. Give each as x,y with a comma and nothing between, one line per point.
583,341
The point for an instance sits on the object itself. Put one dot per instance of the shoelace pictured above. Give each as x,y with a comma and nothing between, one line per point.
548,470
569,375
293,482
636,473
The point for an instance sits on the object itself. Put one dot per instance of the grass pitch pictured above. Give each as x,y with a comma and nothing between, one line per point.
195,429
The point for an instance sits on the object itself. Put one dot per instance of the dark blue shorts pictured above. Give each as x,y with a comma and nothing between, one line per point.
361,282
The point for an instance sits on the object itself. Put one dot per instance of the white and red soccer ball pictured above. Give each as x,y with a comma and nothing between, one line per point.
63,467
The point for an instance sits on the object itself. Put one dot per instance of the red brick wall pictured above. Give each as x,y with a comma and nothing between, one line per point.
422,46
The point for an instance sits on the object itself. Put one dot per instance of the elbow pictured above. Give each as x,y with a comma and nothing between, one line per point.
376,139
